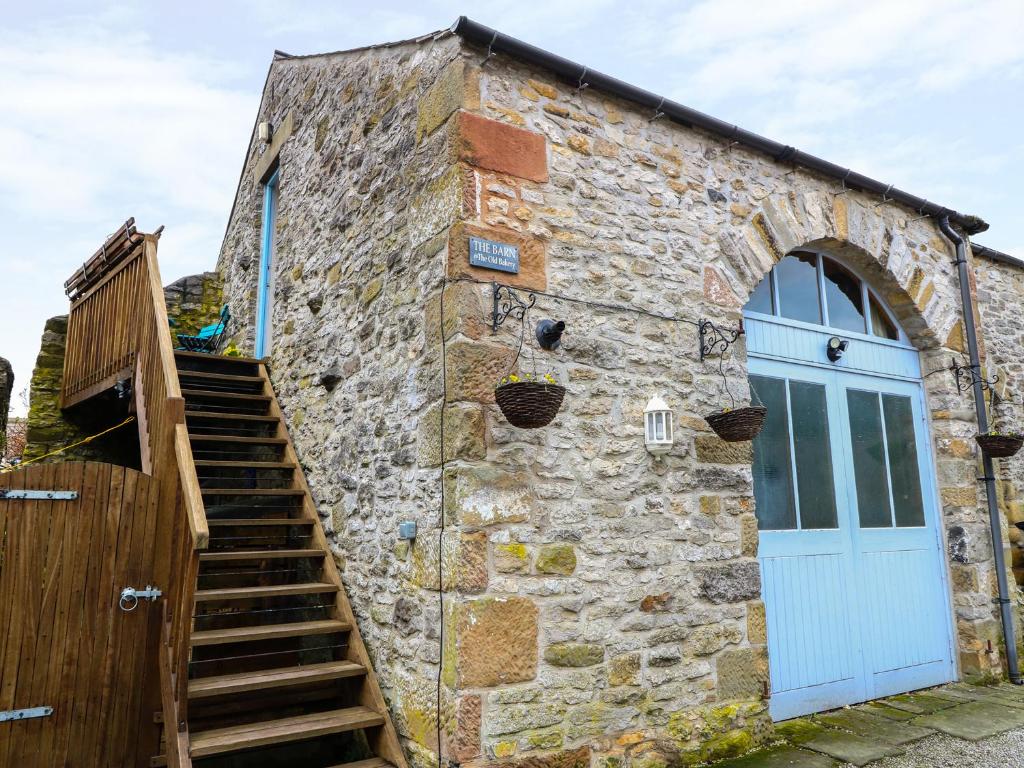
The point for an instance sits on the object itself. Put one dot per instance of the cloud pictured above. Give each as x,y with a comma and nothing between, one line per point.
99,126
794,47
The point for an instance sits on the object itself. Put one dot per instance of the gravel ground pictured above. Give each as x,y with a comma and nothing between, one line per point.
1003,751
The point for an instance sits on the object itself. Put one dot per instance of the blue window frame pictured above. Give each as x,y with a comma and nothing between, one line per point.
264,294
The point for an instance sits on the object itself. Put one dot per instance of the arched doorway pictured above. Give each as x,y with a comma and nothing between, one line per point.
853,579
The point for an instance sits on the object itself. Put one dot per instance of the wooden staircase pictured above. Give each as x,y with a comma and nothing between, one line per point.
277,673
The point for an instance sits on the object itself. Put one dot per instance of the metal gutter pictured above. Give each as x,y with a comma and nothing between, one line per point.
994,255
995,526
579,76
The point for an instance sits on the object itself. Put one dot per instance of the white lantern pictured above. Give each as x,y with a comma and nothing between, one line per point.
658,426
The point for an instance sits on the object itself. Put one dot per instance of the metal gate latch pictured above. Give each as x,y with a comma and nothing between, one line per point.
130,596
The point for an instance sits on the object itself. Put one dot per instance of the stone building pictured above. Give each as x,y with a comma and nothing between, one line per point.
569,598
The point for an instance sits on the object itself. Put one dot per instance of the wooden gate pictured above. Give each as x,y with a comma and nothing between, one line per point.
64,641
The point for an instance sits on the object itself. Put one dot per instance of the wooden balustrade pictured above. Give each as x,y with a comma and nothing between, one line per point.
117,330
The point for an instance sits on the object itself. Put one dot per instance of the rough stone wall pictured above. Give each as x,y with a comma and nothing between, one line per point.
6,389
193,301
1000,291
47,427
366,192
599,605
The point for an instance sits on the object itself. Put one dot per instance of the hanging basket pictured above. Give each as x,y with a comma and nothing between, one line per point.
529,404
1000,446
738,424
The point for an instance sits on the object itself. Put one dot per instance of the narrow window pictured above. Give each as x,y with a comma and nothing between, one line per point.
773,467
881,325
264,287
761,298
796,278
871,476
843,297
903,467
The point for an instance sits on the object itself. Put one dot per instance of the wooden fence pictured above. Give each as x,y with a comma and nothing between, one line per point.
103,328
64,641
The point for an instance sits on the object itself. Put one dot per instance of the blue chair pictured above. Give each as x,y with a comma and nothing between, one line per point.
209,337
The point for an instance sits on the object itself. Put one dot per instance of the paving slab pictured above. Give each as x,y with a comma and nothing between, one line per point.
919,703
973,721
845,747
964,688
850,748
874,726
1014,691
996,696
957,697
780,757
884,710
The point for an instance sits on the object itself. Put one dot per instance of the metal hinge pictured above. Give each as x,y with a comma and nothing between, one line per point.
40,495
25,714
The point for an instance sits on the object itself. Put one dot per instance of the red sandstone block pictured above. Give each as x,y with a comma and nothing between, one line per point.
500,147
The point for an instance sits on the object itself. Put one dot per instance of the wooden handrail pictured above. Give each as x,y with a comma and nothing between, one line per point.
163,340
196,512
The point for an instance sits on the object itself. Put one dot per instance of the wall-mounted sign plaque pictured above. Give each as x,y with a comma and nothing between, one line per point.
491,255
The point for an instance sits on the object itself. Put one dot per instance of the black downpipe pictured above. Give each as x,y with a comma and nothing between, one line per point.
990,481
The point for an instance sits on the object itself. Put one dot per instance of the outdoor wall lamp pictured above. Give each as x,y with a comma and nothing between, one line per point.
835,348
658,426
549,333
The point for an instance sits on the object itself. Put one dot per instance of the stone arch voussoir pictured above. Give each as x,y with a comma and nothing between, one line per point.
918,290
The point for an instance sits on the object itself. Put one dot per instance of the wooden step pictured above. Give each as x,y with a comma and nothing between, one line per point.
226,415
299,728
257,554
227,378
225,522
206,357
223,685
268,632
252,491
245,464
217,394
238,439
373,762
259,593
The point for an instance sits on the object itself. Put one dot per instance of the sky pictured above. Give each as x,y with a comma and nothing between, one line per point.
145,109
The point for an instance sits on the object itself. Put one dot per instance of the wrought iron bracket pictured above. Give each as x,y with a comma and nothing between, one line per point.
508,303
968,375
715,341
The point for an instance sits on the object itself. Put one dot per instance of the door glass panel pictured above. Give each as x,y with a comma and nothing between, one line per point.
843,296
903,467
869,472
796,277
773,469
813,455
761,299
880,323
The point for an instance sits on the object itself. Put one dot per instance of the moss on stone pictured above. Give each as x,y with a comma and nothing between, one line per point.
559,559
574,654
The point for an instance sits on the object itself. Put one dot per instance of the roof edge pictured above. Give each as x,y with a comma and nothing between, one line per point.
577,74
994,255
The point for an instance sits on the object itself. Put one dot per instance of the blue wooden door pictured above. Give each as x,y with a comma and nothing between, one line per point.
904,606
853,580
264,289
